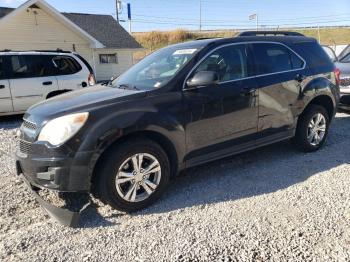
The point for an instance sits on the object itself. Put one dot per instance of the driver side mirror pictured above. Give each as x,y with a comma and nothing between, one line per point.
203,78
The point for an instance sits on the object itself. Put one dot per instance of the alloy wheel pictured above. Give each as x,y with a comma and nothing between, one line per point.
138,177
316,129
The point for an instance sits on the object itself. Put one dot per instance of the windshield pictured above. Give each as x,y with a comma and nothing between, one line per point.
156,70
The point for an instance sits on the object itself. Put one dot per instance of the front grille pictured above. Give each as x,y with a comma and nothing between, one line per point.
25,147
29,125
345,82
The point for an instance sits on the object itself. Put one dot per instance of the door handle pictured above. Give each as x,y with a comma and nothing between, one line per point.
246,91
300,78
49,83
2,86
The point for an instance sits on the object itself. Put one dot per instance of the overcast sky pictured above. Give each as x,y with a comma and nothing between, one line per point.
216,14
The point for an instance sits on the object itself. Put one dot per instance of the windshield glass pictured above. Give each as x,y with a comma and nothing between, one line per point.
156,70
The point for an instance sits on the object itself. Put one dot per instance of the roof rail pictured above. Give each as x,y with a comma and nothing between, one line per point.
44,51
270,33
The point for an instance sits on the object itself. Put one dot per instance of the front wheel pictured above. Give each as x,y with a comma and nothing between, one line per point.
133,175
312,129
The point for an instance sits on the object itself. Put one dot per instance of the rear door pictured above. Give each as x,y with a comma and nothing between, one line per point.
30,79
280,73
5,92
70,74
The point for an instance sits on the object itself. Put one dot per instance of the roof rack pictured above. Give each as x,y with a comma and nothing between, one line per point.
44,51
270,33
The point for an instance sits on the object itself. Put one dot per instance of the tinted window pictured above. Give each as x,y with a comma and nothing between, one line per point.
66,65
274,58
230,63
297,63
2,73
314,54
27,66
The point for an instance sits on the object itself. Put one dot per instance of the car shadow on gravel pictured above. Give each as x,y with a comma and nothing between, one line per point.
10,122
262,171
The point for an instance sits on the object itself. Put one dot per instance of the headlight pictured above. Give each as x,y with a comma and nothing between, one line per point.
59,130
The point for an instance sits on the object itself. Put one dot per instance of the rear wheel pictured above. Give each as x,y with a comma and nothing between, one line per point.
133,175
312,129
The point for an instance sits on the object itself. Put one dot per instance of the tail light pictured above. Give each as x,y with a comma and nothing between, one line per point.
91,80
337,76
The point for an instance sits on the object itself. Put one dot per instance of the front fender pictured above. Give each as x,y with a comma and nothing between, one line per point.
107,129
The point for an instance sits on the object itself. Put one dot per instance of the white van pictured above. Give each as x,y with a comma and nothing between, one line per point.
27,78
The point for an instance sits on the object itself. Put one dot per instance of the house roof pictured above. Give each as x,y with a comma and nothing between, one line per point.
103,28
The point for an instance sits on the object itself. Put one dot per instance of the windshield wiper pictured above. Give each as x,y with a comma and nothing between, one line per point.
126,86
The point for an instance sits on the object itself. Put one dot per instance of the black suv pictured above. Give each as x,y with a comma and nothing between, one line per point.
181,106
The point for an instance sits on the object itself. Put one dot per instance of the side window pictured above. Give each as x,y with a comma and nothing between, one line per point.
66,65
29,66
297,63
230,63
274,58
2,73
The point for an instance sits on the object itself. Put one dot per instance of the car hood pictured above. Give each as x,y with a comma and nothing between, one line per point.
344,69
83,99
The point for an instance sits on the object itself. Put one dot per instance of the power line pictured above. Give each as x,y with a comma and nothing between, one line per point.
234,25
175,19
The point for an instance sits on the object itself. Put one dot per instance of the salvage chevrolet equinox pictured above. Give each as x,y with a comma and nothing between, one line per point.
182,106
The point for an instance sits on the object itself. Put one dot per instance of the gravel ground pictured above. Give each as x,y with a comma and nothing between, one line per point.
271,204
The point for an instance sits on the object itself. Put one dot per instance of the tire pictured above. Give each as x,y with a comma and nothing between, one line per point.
115,166
304,129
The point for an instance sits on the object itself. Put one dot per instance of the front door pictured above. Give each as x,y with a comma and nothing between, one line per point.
5,92
220,118
31,80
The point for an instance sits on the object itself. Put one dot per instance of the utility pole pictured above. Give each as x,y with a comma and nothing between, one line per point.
319,33
200,15
117,9
129,17
256,17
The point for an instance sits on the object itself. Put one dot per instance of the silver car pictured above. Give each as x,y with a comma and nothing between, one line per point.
342,62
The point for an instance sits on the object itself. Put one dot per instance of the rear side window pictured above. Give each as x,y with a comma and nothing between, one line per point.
2,73
275,58
314,54
66,65
230,63
86,63
28,66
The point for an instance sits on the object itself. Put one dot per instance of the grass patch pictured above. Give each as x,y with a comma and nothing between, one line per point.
154,40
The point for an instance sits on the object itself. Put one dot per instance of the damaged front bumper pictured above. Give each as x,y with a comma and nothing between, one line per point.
63,216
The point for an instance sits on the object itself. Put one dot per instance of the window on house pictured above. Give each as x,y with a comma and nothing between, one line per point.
108,59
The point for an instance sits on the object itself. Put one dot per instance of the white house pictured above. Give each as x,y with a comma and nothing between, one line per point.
100,39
